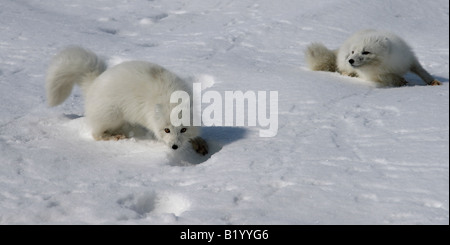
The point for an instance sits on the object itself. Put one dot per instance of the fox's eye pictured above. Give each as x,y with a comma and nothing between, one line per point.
365,52
167,130
183,130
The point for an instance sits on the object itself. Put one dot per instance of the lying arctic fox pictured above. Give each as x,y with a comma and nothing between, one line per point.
131,93
372,55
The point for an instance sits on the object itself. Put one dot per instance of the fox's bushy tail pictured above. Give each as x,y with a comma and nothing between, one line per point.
72,65
320,58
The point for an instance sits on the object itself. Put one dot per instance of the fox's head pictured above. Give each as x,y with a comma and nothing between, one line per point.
369,52
165,131
176,137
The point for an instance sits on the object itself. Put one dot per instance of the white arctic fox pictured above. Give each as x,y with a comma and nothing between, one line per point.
377,56
131,93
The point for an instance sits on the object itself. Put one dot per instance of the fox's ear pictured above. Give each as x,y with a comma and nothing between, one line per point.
385,44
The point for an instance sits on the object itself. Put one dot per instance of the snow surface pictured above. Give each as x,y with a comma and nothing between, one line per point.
346,152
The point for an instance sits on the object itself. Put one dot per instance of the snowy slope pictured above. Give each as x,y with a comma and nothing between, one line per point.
345,153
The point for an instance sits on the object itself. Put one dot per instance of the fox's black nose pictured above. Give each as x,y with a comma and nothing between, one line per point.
351,61
174,147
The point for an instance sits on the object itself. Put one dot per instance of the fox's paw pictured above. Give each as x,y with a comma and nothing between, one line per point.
350,74
435,83
199,145
118,137
114,137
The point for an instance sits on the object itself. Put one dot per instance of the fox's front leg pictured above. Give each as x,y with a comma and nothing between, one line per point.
199,145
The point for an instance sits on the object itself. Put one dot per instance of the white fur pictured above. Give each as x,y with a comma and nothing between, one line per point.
133,92
373,55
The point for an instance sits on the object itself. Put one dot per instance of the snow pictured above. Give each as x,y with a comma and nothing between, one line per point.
346,152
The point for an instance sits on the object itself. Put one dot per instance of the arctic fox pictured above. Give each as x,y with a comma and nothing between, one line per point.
373,55
131,93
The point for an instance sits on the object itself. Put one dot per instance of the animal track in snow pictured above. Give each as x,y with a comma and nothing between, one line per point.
151,203
108,30
153,19
141,204
172,203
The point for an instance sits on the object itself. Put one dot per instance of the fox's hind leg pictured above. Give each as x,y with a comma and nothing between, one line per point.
108,132
422,73
106,126
107,135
